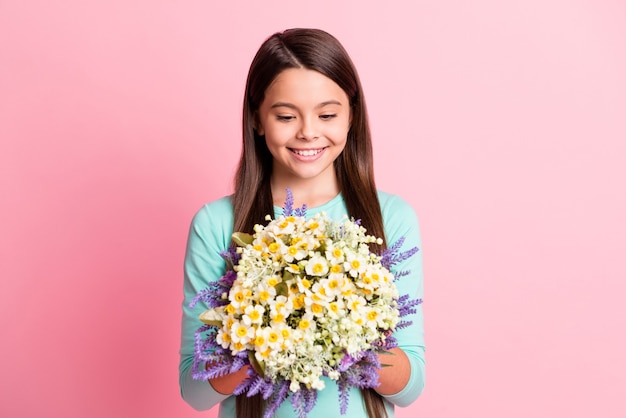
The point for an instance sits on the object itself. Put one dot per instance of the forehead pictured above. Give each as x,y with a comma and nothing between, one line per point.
303,85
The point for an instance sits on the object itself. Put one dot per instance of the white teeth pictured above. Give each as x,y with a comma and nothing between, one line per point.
308,152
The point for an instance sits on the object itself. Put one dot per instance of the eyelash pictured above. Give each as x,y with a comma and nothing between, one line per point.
290,118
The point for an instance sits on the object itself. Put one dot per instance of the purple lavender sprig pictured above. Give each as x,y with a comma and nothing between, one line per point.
344,395
392,255
361,373
212,295
310,397
406,306
208,351
255,384
231,256
288,209
303,401
281,392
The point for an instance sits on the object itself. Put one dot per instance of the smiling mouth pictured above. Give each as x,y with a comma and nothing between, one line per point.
306,152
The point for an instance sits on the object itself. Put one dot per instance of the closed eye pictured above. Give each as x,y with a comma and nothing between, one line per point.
285,118
328,116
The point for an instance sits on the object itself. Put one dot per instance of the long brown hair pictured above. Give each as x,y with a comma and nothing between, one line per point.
317,50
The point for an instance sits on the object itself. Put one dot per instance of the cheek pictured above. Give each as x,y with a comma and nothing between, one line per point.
276,137
340,133
345,127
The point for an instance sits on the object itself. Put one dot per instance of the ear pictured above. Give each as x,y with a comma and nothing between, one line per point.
257,125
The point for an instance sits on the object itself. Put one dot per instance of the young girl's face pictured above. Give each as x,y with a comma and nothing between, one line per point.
305,117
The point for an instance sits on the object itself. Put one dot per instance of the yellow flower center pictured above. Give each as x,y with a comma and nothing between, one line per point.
242,332
298,302
318,268
255,315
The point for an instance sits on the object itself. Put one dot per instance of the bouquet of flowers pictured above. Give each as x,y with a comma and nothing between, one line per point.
301,299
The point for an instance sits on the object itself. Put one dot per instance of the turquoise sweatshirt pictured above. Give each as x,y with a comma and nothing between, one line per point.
210,233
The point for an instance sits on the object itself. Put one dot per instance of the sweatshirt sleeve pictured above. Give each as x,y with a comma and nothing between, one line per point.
401,221
209,234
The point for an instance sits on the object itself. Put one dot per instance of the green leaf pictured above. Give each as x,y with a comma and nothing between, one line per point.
209,319
214,323
242,239
281,289
258,367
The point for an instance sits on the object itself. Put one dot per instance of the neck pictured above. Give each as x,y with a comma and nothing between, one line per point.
311,193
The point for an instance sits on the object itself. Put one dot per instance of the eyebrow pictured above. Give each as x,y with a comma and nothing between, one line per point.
292,106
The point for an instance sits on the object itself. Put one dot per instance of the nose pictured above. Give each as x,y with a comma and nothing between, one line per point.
308,129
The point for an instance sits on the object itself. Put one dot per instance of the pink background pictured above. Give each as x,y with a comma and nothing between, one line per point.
503,123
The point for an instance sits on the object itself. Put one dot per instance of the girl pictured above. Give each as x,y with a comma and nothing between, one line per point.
305,128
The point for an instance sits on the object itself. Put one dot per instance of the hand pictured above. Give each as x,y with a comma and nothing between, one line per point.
227,384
